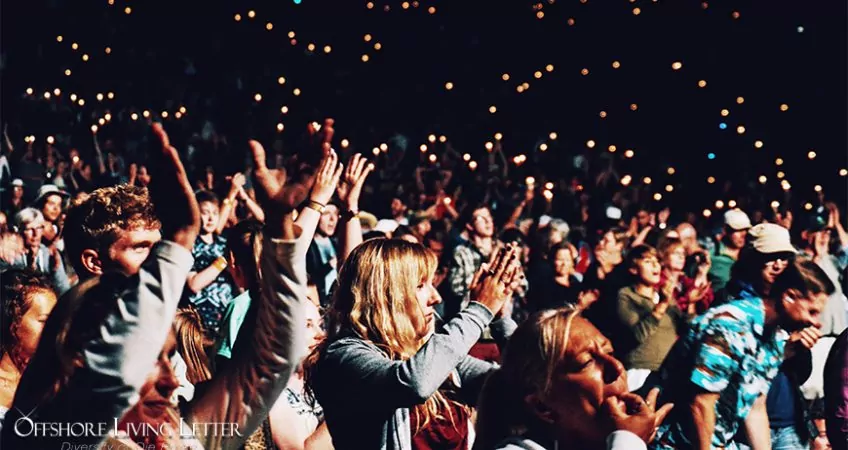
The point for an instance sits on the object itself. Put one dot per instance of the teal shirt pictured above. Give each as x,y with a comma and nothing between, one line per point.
231,323
720,270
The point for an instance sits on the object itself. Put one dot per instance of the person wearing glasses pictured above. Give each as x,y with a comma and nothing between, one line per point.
30,253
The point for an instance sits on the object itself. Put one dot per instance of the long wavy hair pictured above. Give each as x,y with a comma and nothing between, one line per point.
17,289
376,301
536,351
188,328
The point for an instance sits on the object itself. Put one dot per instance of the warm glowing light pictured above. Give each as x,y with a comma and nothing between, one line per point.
57,92
146,113
671,171
775,204
375,151
719,204
94,128
707,213
433,158
291,34
134,116
108,50
616,64
505,77
711,180
553,135
296,92
85,57
646,180
431,138
817,188
99,97
423,148
164,114
269,26
345,143
540,15
431,10
808,206
59,38
758,144
843,172
625,180
378,46
584,72
637,11
677,65
724,112
237,17
590,143
702,83
657,196
448,85
612,148
107,116
549,68
740,129
74,46
384,147
549,185
311,47
669,188
443,139
740,100
784,107
127,10
543,147
603,114
364,58
570,22
327,49
67,72
81,102
811,155
50,140
634,107
778,161
369,5
763,179
489,146
537,74
257,97
472,165
251,14
466,157
493,109
628,153
47,95
735,14
498,136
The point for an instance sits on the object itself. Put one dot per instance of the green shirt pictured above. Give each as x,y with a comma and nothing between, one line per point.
652,338
720,270
231,323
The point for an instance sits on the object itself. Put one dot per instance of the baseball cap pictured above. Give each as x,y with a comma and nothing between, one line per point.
18,182
386,226
771,238
737,220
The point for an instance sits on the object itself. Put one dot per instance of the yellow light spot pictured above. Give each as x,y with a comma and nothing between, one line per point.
369,5
375,151
811,155
731,204
537,74
107,116
178,115
94,128
671,171
431,10
67,72
423,148
85,57
540,15
784,107
786,186
637,11
740,129
549,68
808,206
433,158
702,83
74,46
758,144
50,140
431,138
646,180
505,77
327,49
590,143
724,113
269,26
570,22
101,121
707,213
657,196
584,72
47,95
284,110
81,102
146,113
629,153
405,5
448,85
57,92
378,46
164,114
472,165
291,34
625,180
237,17
251,14
257,97
365,58
519,88
443,139
616,64
108,50
669,188
543,147
553,135
134,116
384,146
127,10
711,180
817,188
99,97
843,172
73,97
59,38
634,107
719,204
489,146
603,114
775,204
740,100
281,127
549,185
778,161
498,136
677,65
466,157
296,92
763,179
780,175
311,47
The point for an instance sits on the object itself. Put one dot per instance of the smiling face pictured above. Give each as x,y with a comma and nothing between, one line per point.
52,208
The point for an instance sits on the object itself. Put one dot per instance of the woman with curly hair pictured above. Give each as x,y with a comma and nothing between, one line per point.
27,299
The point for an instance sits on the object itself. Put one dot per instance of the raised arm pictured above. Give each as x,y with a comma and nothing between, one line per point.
326,180
227,205
349,190
262,362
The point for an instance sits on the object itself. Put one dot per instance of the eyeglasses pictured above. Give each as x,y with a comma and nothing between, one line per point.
779,260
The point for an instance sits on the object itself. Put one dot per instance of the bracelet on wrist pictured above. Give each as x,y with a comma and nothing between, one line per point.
312,204
220,263
350,214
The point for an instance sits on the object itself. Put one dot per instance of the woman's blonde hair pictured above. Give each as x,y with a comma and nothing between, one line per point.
535,353
376,300
188,328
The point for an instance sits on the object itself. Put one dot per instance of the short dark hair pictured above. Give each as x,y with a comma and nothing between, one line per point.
804,276
205,196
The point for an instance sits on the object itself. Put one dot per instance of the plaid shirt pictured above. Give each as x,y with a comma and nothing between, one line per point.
466,260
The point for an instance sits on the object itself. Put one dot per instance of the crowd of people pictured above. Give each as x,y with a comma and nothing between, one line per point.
318,299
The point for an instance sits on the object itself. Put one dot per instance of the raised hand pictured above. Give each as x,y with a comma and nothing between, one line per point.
172,194
11,247
323,133
631,413
494,283
272,194
351,184
326,178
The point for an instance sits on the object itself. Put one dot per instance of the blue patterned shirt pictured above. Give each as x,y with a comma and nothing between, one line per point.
726,351
211,301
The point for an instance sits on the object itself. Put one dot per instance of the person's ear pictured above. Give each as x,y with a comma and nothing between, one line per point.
91,261
539,409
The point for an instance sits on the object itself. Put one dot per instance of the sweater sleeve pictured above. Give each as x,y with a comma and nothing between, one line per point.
374,379
264,360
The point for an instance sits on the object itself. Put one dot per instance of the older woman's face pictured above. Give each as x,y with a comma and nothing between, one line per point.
588,376
564,262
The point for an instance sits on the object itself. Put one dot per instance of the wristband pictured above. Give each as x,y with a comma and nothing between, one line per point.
350,215
220,263
227,201
312,204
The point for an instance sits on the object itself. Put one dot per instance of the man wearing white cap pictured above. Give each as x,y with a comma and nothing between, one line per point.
736,226
51,202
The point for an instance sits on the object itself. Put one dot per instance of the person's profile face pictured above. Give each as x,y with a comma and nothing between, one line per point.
801,311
